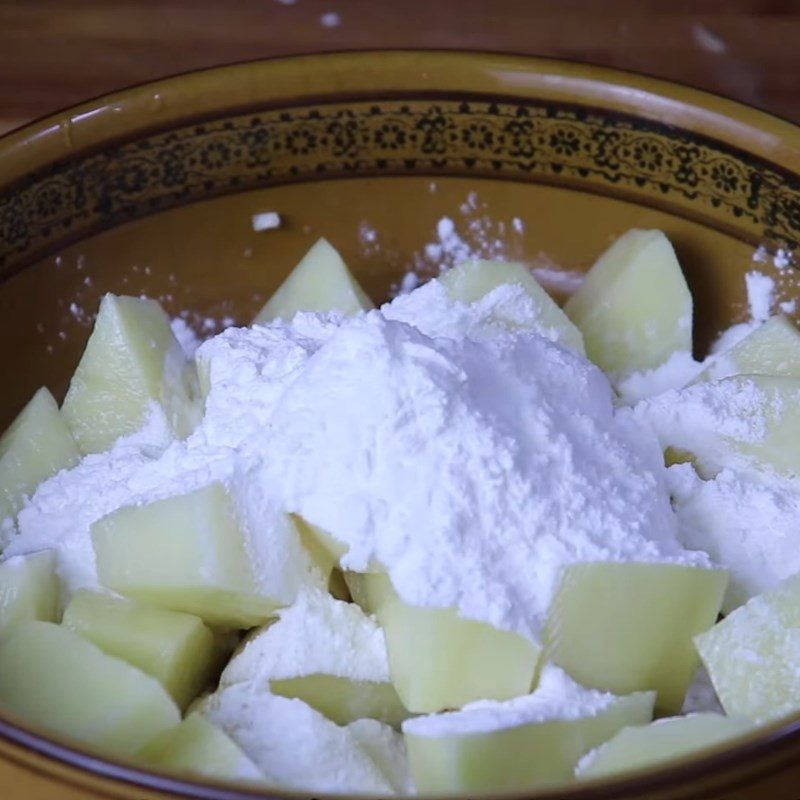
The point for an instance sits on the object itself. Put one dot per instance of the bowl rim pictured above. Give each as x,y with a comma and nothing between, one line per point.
119,115
133,111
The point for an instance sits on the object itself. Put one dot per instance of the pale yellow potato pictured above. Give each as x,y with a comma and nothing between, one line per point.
36,446
515,759
655,745
771,349
634,309
52,678
739,422
324,549
753,655
186,553
343,700
320,282
439,660
197,747
472,280
132,360
29,589
627,627
175,648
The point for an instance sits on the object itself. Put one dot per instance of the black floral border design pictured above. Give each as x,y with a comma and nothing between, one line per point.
514,139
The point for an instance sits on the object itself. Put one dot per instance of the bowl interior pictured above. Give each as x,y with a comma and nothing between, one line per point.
152,191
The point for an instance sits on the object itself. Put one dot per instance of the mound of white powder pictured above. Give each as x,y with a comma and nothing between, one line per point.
471,460
461,447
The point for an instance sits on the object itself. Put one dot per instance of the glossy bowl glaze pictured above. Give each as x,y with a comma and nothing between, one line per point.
152,190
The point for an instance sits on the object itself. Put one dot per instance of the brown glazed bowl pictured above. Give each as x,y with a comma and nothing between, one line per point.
152,190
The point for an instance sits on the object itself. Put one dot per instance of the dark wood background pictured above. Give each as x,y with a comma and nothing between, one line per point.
54,53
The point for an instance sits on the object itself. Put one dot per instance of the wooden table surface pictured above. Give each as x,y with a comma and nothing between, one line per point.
54,53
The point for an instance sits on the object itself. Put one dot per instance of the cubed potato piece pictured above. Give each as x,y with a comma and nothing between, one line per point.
35,447
634,309
197,747
185,553
647,746
28,589
753,655
771,349
472,280
294,746
343,700
52,678
627,627
739,422
439,660
747,523
527,743
320,282
176,649
132,359
369,590
324,549
325,652
387,748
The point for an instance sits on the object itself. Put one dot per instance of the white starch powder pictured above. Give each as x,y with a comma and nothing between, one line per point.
457,446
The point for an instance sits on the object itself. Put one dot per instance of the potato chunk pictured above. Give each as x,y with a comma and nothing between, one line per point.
471,280
53,678
327,653
771,349
739,422
35,447
626,627
753,655
519,745
439,660
175,648
320,282
643,746
28,589
197,747
132,359
634,309
185,553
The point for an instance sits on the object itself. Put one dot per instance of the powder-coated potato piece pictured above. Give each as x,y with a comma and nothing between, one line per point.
639,747
627,627
740,422
185,553
753,655
325,551
471,280
28,589
439,660
131,361
519,757
325,652
197,747
175,648
320,282
53,678
36,446
634,308
771,349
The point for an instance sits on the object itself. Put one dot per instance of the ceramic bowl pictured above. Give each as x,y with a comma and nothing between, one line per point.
153,190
